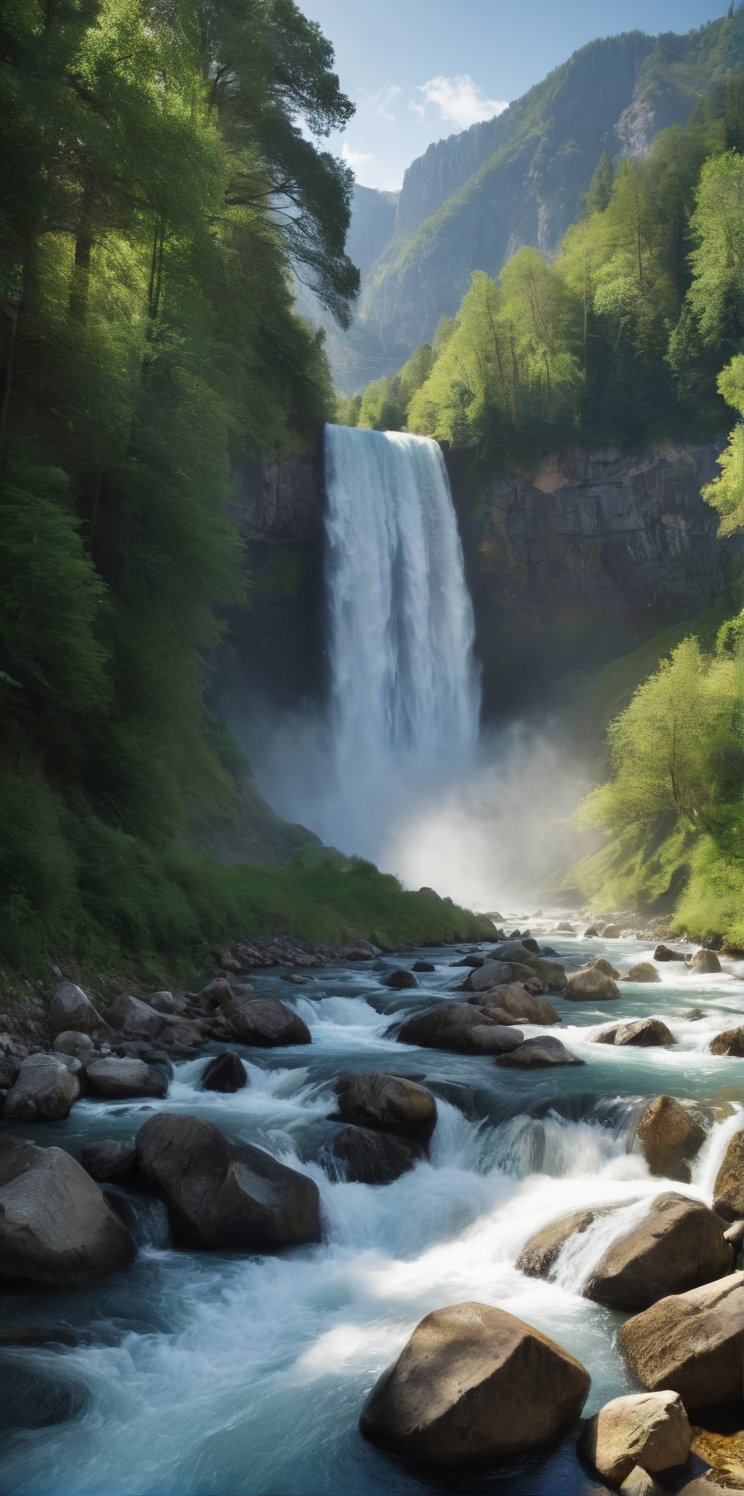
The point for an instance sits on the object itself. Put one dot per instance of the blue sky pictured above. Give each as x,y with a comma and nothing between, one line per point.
421,69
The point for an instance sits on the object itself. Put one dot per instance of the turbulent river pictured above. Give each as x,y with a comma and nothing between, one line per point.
211,1374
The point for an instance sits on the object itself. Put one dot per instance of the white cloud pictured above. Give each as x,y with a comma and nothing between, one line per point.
458,101
355,159
384,98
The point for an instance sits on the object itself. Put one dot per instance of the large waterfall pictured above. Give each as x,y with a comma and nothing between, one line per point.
404,686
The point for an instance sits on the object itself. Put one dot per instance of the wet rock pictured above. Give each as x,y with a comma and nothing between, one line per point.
538,1054
678,1245
119,1079
691,1342
424,966
514,1004
401,980
108,1160
591,986
642,972
730,1042
44,1091
491,974
9,1071
144,1216
70,1008
705,962
474,1383
542,1250
640,1483
222,1192
646,1429
669,1137
472,959
389,1102
728,1191
643,1033
71,1042
525,953
724,1453
37,1398
663,953
611,932
603,965
374,1157
592,933
267,1023
226,1072
693,1015
55,1226
459,1027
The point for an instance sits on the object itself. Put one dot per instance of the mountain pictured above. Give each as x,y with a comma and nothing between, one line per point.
474,198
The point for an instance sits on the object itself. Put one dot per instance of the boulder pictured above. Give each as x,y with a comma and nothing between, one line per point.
591,986
724,1453
591,933
459,1027
603,965
374,1157
643,1033
728,1190
108,1160
515,1005
678,1245
691,1343
219,993
222,1192
400,980
646,1429
474,1383
541,1250
120,1079
492,974
226,1073
642,972
705,962
423,966
166,1002
71,1042
669,1137
663,953
730,1042
538,1054
56,1228
44,1091
267,1023
69,1008
611,932
523,957
388,1102
132,1016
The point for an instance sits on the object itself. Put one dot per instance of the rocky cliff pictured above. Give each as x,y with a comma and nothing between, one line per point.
569,567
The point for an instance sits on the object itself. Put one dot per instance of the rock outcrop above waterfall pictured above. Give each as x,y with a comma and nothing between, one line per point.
222,1192
692,1343
669,1136
678,1245
650,1430
474,1383
56,1228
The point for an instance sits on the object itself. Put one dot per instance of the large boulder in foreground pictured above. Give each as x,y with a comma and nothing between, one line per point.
389,1102
44,1091
267,1023
474,1383
459,1027
539,1054
643,1033
119,1079
591,986
374,1157
71,1009
730,1042
56,1228
222,1192
669,1136
728,1190
648,1429
692,1343
678,1245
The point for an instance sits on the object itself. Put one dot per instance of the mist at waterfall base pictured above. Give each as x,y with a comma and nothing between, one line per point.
395,770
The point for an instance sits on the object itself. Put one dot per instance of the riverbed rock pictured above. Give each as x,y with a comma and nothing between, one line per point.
603,965
646,1429
728,1190
611,932
119,1079
692,1343
705,962
514,1004
388,1102
166,1002
71,1042
56,1228
492,974
591,986
401,980
222,1192
643,1033
474,1383
678,1245
724,1453
459,1027
267,1023
663,953
730,1042
226,1073
523,956
70,1008
423,966
643,972
109,1159
370,1157
669,1136
542,1250
591,933
44,1091
538,1054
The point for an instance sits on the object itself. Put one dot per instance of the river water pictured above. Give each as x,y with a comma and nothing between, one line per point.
216,1374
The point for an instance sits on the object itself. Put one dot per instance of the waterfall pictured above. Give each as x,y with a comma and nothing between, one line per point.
404,686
